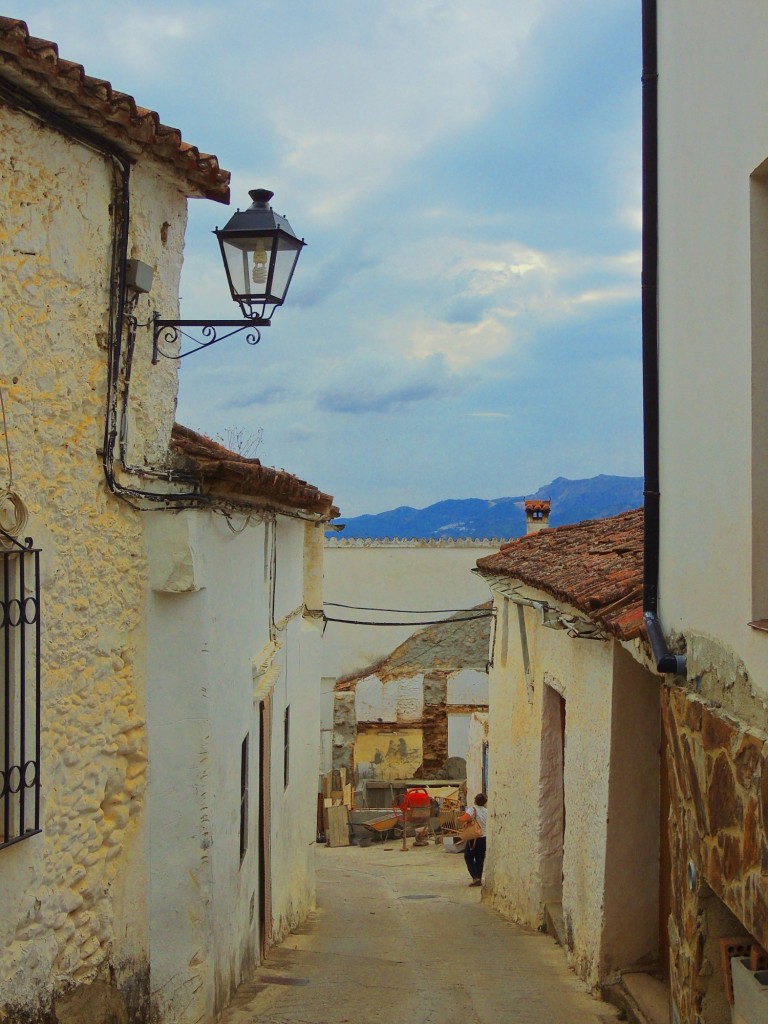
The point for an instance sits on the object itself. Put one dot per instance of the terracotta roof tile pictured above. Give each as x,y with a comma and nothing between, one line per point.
595,566
34,67
538,505
228,475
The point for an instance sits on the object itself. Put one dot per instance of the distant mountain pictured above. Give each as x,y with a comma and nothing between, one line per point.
572,501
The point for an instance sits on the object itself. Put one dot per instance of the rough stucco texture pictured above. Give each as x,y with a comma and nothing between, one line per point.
61,892
522,778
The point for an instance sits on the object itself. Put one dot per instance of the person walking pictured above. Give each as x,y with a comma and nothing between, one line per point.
474,849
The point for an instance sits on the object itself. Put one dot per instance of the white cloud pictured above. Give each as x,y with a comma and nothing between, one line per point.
429,280
122,43
631,216
606,296
460,345
364,383
392,80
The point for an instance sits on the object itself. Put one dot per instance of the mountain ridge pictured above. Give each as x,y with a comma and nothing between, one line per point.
479,518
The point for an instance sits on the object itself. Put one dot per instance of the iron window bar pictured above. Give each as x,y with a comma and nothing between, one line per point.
20,653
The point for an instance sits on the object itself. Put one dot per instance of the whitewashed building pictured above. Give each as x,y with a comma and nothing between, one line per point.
696,652
705,341
234,629
575,795
161,627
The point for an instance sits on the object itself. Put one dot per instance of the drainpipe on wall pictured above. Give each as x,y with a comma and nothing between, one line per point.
666,663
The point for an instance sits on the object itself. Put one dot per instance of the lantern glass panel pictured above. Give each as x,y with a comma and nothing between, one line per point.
247,262
288,250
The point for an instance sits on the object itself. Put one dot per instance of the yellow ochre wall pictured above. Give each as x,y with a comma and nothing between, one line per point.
73,898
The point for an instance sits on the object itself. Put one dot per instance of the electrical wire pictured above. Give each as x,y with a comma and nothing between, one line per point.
396,611
7,444
423,622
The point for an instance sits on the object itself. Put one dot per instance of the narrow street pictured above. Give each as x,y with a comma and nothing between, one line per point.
400,938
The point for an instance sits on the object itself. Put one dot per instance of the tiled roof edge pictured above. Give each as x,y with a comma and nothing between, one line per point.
413,542
545,561
230,476
34,66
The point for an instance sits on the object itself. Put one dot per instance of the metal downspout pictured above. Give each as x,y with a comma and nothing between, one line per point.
666,663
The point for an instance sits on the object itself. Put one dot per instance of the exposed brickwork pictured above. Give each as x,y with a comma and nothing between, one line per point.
718,775
435,725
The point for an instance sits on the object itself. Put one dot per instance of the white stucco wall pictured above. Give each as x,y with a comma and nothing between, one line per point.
392,574
713,85
522,775
476,740
74,897
327,703
397,700
294,808
458,735
214,655
469,686
528,864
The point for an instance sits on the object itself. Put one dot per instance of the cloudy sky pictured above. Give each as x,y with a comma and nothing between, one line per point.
465,318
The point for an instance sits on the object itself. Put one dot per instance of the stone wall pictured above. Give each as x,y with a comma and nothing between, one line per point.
435,725
73,897
718,771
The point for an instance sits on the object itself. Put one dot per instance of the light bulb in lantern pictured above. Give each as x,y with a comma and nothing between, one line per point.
259,265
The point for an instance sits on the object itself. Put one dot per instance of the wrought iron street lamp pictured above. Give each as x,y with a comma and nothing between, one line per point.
260,252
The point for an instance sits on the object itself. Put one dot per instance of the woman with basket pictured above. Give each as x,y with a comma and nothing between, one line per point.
473,835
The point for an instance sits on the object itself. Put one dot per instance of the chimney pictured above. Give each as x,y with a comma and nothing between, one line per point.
537,514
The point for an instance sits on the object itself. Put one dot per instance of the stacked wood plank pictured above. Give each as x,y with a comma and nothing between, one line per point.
337,797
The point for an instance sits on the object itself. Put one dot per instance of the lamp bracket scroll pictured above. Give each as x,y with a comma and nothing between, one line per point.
259,250
206,333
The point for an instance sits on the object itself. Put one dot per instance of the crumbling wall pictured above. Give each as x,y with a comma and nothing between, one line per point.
344,731
435,725
411,688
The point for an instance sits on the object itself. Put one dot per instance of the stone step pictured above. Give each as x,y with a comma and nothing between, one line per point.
553,919
644,998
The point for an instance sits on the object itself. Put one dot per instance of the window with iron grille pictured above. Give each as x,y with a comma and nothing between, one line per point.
19,691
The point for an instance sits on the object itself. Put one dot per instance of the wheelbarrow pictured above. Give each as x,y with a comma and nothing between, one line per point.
384,826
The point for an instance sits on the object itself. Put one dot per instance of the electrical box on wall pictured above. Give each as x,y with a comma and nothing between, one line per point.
139,276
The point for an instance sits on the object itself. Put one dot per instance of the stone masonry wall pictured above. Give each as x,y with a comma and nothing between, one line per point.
718,771
435,724
73,898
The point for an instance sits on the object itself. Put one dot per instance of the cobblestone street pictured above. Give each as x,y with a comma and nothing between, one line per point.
400,938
